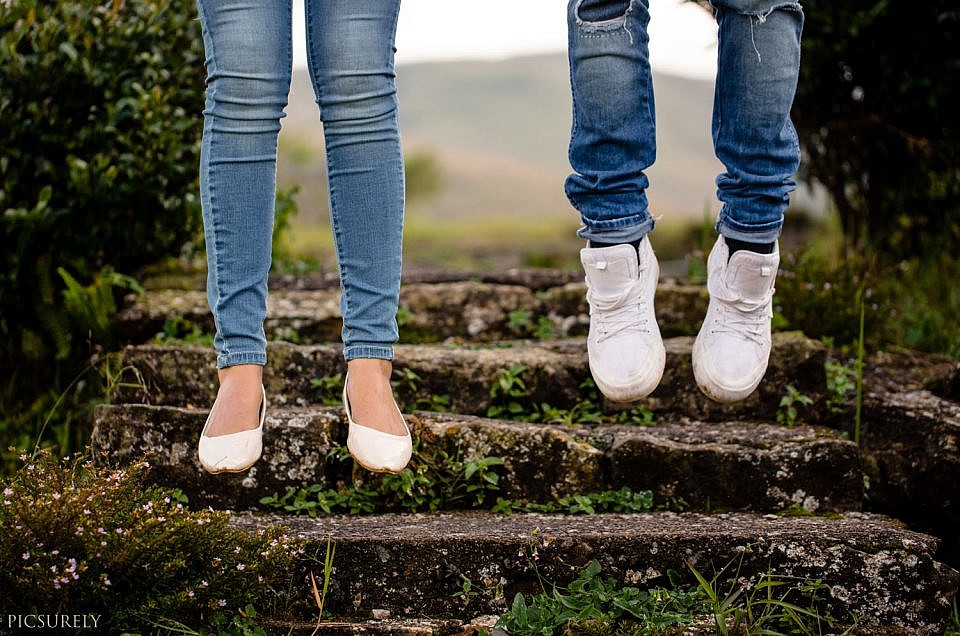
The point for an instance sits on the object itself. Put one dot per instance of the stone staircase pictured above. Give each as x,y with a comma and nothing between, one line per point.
721,476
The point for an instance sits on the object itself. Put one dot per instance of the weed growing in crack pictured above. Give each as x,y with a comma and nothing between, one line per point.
623,500
329,389
177,330
788,412
840,382
772,605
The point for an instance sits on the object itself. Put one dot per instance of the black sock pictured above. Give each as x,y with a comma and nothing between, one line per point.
636,244
760,248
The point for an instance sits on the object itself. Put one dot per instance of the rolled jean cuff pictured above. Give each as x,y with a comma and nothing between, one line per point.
241,357
382,352
765,233
633,230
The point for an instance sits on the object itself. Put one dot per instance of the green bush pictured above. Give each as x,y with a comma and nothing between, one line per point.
96,540
100,126
912,303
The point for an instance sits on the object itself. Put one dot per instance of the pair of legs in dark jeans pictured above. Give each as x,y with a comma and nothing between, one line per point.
613,144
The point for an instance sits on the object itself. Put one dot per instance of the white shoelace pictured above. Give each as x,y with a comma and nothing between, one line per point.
741,316
616,314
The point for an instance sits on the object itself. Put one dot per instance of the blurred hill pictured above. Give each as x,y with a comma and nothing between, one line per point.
498,134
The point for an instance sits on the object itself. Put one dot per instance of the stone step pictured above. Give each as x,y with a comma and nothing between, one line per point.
911,451
414,565
736,465
554,374
431,312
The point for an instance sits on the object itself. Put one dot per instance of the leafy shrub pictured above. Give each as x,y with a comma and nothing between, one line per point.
913,303
96,539
100,130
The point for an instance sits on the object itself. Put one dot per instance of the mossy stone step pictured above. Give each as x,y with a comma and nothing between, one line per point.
413,565
554,373
736,465
431,312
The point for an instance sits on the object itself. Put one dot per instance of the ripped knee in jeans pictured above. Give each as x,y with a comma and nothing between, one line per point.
602,10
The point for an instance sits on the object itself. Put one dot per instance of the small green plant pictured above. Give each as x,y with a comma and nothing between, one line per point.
177,330
287,334
623,500
407,382
316,499
329,389
585,412
519,321
466,593
637,415
544,329
405,378
840,382
509,393
787,413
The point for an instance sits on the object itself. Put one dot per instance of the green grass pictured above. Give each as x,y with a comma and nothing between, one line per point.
591,604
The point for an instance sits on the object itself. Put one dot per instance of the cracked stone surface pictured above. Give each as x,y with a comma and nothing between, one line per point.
183,376
748,466
412,565
737,465
911,449
295,444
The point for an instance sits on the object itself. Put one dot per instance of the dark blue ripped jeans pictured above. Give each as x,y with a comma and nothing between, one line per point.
613,138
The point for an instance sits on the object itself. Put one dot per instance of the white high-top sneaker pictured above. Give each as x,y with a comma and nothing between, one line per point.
732,349
624,346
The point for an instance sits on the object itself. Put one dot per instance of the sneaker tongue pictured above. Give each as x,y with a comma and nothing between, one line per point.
610,269
751,274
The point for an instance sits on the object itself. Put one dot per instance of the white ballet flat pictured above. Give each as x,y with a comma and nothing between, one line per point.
233,452
375,450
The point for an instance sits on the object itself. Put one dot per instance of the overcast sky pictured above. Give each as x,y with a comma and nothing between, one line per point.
682,36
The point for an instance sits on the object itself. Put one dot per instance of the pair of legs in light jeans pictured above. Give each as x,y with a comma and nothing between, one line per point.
249,58
612,145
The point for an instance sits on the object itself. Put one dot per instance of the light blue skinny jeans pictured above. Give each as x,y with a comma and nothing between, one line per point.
613,138
248,47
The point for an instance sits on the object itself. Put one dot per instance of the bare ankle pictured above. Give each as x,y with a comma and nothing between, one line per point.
241,373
